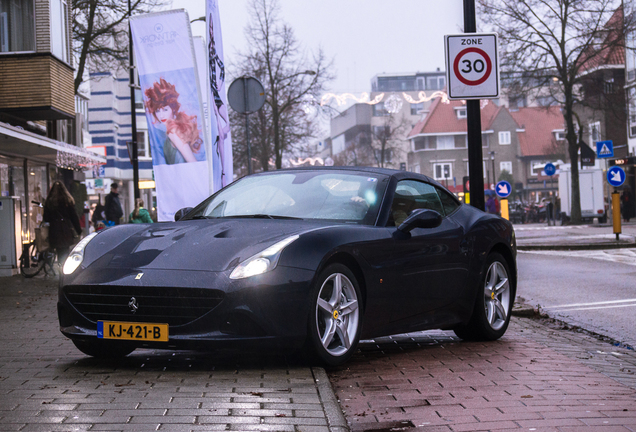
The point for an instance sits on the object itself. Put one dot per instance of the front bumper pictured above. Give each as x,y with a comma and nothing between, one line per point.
260,311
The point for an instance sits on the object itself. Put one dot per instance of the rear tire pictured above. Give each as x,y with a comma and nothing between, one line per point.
335,316
31,262
103,349
491,313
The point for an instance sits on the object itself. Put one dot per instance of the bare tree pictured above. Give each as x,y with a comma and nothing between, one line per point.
100,32
387,140
290,77
551,43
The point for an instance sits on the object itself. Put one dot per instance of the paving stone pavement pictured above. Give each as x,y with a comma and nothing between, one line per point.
539,377
46,384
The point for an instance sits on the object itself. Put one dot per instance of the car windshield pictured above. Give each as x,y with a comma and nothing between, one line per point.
323,195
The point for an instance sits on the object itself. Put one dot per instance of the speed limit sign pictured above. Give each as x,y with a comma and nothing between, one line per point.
472,69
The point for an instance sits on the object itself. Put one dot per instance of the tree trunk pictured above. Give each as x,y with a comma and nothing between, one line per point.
81,64
573,151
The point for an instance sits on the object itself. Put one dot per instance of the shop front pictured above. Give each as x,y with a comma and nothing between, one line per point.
29,164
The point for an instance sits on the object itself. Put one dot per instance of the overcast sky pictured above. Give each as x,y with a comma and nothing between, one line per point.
364,37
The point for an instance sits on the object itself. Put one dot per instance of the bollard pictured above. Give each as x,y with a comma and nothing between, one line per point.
616,213
505,212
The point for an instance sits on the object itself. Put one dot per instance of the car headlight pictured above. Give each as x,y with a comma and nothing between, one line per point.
263,261
76,256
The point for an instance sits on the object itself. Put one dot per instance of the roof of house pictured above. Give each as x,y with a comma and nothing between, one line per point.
442,118
536,125
613,53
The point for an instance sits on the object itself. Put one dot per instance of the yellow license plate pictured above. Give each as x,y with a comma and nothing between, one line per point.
132,331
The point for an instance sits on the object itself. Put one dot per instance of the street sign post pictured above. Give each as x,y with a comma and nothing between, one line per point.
604,149
616,176
246,95
503,189
549,169
472,69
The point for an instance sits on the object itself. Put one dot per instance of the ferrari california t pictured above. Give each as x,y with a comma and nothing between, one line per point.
301,258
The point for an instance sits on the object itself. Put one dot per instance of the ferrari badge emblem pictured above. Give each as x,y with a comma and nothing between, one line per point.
335,314
132,304
492,295
139,275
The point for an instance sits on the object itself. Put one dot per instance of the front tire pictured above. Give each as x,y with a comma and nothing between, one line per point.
335,316
103,349
491,313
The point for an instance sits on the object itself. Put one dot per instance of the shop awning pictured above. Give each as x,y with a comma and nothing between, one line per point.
23,144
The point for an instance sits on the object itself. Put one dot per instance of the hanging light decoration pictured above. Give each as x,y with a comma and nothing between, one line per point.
71,160
393,104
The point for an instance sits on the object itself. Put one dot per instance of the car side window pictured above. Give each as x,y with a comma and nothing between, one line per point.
449,203
411,195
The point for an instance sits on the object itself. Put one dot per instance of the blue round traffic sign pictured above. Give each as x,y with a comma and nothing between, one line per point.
616,176
503,189
549,169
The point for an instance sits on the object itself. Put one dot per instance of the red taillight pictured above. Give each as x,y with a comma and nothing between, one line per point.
599,211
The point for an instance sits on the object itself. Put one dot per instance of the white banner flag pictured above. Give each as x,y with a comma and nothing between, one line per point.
164,54
223,170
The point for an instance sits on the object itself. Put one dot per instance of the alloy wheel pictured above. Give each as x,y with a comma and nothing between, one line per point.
497,295
337,314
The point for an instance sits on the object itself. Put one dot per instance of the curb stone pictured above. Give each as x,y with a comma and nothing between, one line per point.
589,246
335,417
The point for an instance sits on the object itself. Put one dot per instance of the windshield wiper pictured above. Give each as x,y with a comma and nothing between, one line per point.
199,217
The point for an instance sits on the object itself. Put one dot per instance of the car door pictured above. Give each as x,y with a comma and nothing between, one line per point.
426,271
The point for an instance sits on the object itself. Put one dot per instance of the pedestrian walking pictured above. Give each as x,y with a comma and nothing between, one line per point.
64,224
99,214
113,210
140,214
491,206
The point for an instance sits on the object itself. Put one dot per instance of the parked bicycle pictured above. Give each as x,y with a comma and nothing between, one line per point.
37,255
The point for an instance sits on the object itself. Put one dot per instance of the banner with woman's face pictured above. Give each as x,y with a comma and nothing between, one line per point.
164,55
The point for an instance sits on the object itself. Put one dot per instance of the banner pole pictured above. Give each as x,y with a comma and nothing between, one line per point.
133,112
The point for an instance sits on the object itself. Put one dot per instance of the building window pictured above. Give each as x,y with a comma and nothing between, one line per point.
445,142
143,148
516,102
416,168
59,29
559,136
424,143
443,171
504,138
505,166
387,155
17,25
417,108
435,83
461,113
379,110
595,132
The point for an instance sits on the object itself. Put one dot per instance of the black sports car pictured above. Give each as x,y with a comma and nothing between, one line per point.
313,257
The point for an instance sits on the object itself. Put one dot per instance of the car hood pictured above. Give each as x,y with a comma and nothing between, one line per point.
207,245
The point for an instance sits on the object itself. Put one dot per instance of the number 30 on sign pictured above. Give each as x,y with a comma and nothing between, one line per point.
472,69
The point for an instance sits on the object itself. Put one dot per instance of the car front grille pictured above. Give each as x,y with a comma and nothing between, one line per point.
173,306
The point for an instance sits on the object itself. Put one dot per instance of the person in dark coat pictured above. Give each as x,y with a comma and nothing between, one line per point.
113,210
64,224
99,214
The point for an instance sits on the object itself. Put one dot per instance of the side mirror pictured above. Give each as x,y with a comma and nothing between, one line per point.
181,213
421,218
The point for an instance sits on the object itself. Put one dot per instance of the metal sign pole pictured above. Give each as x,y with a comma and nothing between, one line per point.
134,159
473,118
247,129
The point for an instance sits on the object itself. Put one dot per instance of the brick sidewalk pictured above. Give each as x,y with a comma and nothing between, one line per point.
46,384
532,379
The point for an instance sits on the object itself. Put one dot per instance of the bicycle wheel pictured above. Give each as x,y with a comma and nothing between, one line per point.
31,261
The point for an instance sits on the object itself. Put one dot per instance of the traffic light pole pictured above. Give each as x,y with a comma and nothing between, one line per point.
473,118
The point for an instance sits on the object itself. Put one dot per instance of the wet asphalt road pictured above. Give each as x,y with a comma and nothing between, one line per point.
595,290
